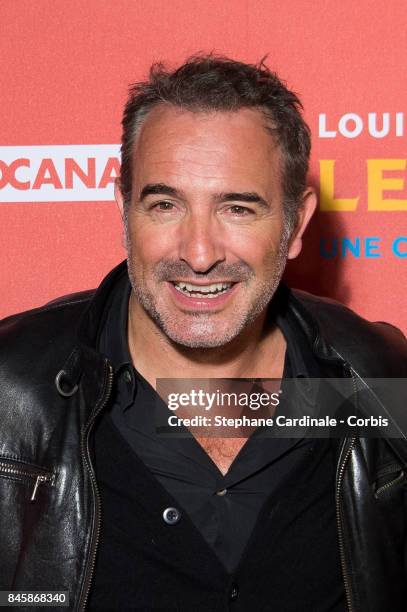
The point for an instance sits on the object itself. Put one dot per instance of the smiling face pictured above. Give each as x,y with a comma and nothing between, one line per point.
205,224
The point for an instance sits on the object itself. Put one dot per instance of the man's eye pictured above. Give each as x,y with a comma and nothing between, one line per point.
165,206
240,210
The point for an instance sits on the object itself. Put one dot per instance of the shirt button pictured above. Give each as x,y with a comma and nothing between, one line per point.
234,592
221,492
127,376
171,516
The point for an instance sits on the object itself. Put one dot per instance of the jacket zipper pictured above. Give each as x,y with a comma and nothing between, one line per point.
345,574
10,468
97,517
352,442
390,484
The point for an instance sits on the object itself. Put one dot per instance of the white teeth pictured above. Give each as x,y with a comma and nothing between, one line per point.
208,291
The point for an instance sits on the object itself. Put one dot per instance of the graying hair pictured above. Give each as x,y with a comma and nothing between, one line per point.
207,83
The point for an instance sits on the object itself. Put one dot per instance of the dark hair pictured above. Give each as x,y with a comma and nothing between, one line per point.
217,83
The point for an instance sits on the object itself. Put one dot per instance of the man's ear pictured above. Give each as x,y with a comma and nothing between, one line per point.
119,197
307,209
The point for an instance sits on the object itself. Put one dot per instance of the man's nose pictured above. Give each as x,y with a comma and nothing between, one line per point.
201,243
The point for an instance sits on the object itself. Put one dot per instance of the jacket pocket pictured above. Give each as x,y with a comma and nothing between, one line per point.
389,480
26,473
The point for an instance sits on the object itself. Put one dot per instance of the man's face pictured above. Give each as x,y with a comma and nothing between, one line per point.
205,223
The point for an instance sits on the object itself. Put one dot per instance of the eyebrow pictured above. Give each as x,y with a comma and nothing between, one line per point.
245,196
233,196
158,189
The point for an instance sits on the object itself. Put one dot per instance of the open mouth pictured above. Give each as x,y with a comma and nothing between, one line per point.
202,291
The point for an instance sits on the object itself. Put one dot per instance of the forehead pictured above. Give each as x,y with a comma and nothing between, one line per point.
206,145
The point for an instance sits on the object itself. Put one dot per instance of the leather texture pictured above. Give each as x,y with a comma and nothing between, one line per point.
49,501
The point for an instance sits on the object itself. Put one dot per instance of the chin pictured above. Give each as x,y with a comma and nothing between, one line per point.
202,336
197,342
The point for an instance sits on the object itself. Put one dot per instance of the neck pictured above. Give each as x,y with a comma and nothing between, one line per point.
258,351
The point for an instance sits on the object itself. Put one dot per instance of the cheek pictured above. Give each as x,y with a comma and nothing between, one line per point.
150,242
257,249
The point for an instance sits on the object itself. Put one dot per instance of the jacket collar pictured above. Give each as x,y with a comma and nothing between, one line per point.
90,323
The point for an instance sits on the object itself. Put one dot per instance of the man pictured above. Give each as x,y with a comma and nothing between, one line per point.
94,500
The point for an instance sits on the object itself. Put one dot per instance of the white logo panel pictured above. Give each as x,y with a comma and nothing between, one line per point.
58,173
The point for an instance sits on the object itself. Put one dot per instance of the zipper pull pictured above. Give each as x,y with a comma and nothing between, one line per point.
38,480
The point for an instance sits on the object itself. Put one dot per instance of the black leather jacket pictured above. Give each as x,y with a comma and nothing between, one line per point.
55,384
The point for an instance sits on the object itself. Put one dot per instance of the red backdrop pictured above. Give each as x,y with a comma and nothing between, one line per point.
65,71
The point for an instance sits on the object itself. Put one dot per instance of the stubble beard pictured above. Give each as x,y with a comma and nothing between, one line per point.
203,331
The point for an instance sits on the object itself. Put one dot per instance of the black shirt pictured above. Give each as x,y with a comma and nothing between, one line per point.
227,510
